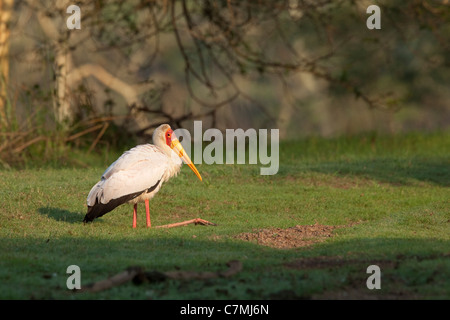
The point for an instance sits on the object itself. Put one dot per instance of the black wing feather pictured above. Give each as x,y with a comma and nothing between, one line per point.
100,209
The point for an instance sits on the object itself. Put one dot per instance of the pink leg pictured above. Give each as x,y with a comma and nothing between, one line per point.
147,211
135,215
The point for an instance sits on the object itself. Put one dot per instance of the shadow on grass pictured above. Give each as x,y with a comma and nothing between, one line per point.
59,214
410,267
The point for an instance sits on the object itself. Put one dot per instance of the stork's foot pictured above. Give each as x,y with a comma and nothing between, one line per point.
184,223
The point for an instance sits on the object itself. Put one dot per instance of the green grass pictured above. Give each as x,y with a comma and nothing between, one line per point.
392,193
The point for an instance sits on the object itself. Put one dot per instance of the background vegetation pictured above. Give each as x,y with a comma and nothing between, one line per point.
307,68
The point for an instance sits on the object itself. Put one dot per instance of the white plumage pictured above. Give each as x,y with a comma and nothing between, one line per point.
136,170
138,174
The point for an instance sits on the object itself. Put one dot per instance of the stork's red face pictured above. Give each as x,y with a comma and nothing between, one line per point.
169,134
175,145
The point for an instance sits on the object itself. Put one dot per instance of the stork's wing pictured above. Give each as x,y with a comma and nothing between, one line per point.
134,172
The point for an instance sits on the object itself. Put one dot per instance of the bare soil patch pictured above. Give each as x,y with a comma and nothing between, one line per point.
293,237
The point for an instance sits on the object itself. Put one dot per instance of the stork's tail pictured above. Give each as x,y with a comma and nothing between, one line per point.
99,209
95,211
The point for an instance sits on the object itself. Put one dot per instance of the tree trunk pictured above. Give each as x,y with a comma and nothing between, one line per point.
68,75
6,7
64,114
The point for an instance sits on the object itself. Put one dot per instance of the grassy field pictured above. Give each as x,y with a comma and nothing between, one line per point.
388,195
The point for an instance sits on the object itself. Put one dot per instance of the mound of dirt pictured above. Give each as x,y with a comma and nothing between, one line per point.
298,236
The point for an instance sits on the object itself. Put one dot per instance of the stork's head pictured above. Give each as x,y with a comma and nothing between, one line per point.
164,137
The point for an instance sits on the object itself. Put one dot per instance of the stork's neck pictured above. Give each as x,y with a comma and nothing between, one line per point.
162,146
175,159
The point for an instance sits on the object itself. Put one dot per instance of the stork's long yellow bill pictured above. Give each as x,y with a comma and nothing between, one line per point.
179,150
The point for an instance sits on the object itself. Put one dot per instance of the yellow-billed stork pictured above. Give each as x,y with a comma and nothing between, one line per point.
137,175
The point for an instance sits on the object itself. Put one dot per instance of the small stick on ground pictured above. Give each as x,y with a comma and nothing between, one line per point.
138,276
113,281
184,223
